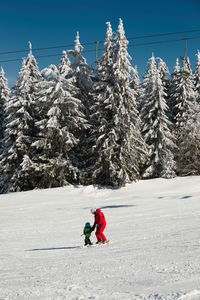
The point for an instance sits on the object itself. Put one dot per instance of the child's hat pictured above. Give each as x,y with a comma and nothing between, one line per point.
87,224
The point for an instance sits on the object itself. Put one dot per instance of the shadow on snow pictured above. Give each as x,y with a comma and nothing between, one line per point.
116,206
60,248
113,206
186,197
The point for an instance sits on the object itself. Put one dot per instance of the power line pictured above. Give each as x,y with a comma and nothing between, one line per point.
43,56
46,48
94,50
94,43
166,41
163,34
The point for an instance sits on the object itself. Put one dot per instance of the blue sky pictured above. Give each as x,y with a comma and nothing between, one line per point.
53,23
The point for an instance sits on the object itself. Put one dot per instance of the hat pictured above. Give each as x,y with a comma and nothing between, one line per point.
93,210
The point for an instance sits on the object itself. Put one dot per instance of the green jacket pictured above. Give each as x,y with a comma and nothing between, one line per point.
87,231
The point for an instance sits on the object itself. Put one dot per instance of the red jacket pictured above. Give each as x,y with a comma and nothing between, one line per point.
99,218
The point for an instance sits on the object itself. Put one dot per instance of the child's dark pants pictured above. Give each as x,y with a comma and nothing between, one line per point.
87,241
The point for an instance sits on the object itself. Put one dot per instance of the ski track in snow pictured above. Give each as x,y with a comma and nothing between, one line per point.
154,250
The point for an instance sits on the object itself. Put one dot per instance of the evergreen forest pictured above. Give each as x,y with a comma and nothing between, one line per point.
73,124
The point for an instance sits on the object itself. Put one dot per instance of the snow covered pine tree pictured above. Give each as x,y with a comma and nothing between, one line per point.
197,76
82,74
19,127
186,120
61,121
4,98
119,149
155,124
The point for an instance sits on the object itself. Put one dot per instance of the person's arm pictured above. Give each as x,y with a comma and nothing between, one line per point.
95,223
93,228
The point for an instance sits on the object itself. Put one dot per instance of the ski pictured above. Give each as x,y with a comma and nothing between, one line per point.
95,245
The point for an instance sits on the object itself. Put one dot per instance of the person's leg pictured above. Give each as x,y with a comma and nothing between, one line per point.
87,241
100,233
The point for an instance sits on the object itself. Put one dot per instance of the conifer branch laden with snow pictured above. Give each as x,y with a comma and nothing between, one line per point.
19,125
60,130
135,85
4,98
119,147
82,72
197,76
155,125
185,113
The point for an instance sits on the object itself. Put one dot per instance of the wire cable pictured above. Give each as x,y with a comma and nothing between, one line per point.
163,34
93,43
167,41
93,50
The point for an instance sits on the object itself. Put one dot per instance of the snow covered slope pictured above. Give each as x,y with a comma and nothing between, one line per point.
154,250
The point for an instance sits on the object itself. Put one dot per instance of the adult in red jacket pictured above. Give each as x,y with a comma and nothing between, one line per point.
100,222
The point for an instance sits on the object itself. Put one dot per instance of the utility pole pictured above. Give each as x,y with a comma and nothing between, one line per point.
185,48
183,58
184,61
96,51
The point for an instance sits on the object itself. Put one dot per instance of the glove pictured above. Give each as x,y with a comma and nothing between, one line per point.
92,228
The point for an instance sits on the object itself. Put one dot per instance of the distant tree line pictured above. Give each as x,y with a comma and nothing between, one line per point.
71,124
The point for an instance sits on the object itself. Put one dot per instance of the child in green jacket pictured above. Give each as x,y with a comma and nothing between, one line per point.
87,232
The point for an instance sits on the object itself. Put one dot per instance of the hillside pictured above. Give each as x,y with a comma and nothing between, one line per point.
154,250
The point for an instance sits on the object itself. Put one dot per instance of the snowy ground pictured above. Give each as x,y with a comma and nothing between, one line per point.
154,251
